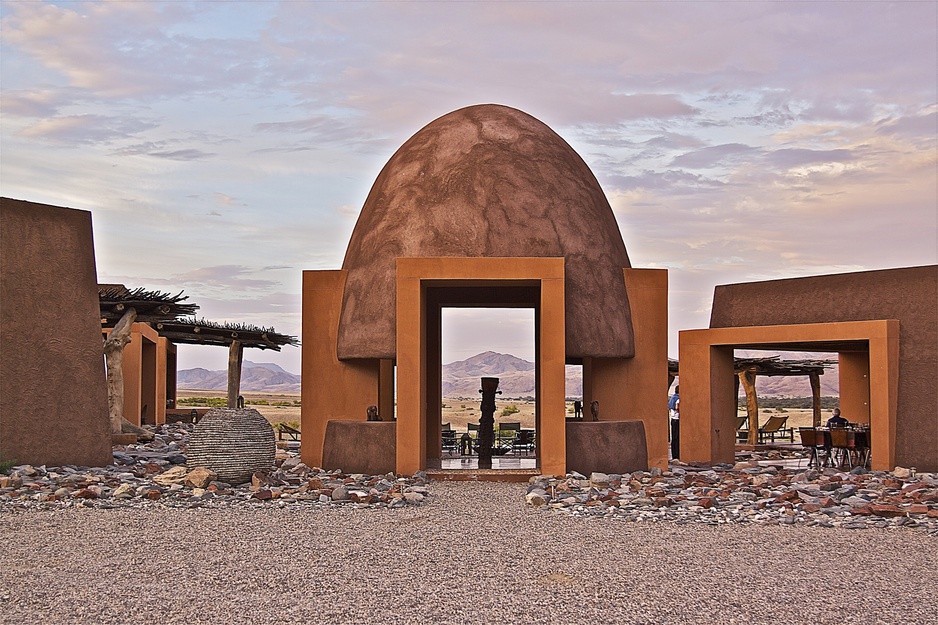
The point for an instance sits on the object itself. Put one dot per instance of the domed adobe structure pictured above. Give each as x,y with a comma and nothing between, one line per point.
488,181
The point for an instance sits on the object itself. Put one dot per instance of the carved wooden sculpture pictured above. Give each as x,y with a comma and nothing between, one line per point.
486,422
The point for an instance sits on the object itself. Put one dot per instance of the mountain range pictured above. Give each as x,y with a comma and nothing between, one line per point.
265,377
461,378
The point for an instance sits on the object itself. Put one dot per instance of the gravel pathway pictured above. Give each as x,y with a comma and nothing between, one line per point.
472,552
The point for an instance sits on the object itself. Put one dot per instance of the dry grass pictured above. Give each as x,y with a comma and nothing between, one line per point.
458,412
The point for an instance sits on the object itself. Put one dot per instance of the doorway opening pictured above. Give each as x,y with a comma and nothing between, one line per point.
479,342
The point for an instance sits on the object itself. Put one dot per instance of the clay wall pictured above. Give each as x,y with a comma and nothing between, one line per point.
909,295
53,398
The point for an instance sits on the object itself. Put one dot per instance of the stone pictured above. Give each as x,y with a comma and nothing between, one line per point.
536,499
124,491
886,510
599,480
200,477
340,494
175,475
902,473
263,494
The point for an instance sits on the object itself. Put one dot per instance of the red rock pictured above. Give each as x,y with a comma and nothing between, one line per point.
827,502
652,493
85,493
914,486
706,502
811,507
886,510
154,494
263,495
918,508
861,511
153,467
932,513
662,502
316,483
259,479
791,495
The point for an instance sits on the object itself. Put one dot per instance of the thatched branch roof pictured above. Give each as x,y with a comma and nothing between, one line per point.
201,332
116,299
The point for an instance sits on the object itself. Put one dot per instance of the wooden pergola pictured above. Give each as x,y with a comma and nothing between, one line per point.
746,370
235,336
120,308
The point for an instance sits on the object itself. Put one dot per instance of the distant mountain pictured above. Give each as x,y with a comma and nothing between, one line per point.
516,376
461,378
258,377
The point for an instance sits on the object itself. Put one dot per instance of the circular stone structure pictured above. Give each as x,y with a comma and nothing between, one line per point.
488,181
234,443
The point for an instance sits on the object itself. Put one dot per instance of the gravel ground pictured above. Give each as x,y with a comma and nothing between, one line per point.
472,552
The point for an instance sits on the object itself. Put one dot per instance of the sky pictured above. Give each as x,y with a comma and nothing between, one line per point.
224,147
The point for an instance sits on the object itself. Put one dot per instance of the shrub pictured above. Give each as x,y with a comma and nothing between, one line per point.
509,410
210,402
6,465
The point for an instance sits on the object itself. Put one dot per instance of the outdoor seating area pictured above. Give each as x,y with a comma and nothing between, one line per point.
843,448
510,439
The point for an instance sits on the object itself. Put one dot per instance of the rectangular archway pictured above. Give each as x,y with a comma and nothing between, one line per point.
708,397
424,286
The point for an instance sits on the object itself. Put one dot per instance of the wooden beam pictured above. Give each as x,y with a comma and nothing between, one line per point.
235,354
748,380
114,345
815,379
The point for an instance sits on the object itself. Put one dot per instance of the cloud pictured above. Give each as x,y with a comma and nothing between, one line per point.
712,156
31,103
85,129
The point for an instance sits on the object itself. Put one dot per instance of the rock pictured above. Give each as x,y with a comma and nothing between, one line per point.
176,475
124,491
902,473
599,480
886,510
263,494
200,477
536,499
259,478
340,494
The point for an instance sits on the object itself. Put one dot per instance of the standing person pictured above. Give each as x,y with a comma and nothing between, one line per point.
577,409
674,409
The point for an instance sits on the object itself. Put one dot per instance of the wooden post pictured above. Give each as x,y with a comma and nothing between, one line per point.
748,380
815,378
235,353
114,345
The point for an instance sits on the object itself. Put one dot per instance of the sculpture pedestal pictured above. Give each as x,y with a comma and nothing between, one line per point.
368,447
606,447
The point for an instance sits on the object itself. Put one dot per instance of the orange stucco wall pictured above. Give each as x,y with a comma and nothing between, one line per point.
332,389
414,275
636,388
149,369
708,402
855,386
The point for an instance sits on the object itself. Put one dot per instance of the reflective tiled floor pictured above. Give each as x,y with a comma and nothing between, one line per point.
498,462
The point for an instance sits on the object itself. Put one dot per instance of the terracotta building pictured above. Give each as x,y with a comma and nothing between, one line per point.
485,206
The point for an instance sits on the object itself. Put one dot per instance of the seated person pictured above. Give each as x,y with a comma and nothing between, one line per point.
837,421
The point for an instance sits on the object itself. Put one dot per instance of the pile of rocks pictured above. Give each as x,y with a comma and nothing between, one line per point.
154,474
749,493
